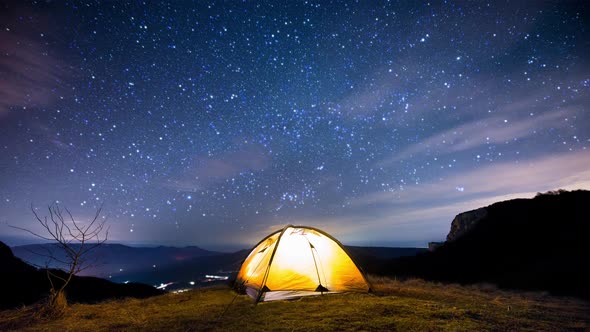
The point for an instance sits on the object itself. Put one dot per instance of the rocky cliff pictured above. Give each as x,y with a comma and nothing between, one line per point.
535,244
464,222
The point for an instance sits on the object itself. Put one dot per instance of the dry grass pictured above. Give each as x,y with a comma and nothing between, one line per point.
412,305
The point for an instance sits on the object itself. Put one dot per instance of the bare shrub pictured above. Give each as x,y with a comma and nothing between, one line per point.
76,239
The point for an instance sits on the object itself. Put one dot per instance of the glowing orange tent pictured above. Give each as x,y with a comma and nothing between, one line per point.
299,261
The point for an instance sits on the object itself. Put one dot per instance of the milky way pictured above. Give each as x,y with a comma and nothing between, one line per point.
214,123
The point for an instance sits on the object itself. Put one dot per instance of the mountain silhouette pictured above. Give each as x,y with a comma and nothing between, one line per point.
23,284
113,260
532,244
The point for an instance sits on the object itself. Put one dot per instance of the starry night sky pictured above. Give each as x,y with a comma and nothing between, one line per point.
215,123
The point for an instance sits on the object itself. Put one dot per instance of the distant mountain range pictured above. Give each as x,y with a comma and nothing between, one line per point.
181,266
534,244
114,260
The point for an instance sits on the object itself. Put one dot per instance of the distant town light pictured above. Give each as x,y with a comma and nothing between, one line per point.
163,285
209,276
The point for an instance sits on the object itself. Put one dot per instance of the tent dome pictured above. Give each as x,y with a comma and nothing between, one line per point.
299,261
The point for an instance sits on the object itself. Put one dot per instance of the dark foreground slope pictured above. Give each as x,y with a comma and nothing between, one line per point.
535,244
23,284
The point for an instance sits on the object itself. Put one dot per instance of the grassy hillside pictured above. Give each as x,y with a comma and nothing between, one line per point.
404,306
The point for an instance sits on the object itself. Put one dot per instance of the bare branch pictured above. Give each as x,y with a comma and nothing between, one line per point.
55,276
74,239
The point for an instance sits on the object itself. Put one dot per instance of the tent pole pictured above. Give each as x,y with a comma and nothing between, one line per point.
315,263
272,256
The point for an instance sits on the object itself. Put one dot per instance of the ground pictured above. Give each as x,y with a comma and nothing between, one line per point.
412,305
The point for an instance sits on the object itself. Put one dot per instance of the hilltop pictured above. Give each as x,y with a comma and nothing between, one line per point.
404,306
23,284
541,243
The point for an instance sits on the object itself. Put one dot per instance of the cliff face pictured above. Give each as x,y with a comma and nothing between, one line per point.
535,244
464,222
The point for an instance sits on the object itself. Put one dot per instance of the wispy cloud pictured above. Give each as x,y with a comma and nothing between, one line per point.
407,72
424,212
493,130
210,170
31,72
569,170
